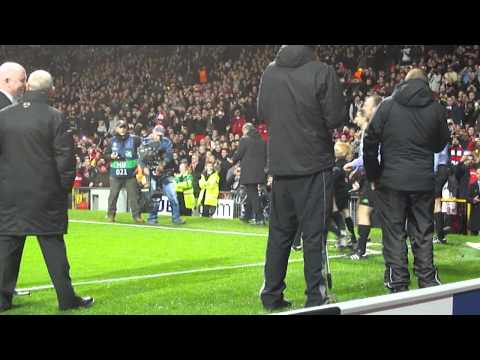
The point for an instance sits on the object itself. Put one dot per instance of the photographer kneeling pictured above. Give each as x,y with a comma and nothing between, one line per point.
160,170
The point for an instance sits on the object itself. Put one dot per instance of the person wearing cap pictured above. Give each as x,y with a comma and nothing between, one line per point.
123,154
162,174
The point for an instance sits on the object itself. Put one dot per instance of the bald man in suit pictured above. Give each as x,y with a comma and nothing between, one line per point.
12,83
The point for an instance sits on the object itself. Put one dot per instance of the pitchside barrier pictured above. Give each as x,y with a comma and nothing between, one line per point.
97,199
462,298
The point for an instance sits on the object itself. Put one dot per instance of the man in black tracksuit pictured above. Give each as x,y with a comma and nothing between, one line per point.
301,100
410,127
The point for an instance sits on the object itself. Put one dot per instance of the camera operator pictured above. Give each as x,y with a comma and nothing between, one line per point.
160,170
123,152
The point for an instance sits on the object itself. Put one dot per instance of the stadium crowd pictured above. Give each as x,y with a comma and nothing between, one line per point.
204,95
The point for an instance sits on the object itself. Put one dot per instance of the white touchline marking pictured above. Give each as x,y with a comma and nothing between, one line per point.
475,246
220,232
155,276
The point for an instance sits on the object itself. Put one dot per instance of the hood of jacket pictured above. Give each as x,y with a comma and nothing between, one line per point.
413,93
294,56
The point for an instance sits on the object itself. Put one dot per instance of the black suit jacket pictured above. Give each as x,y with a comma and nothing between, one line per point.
4,101
37,168
252,155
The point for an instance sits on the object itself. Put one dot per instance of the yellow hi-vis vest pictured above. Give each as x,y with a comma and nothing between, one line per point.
210,188
184,184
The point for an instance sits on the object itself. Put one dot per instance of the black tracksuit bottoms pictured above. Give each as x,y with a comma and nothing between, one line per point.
407,214
303,203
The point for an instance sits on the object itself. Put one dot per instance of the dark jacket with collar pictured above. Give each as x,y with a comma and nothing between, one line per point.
252,154
4,101
37,168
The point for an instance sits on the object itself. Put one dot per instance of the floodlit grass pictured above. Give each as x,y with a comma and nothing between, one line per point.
105,251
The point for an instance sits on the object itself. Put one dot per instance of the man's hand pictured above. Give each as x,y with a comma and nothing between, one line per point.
348,167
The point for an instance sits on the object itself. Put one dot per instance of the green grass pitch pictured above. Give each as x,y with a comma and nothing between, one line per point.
198,272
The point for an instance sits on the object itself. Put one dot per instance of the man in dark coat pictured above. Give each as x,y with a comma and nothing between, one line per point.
12,83
12,86
302,101
37,169
252,154
409,127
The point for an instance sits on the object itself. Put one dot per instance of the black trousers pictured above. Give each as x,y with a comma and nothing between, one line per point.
181,203
116,185
298,204
253,203
407,214
55,255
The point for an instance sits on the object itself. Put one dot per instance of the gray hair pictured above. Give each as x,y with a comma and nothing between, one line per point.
40,80
6,69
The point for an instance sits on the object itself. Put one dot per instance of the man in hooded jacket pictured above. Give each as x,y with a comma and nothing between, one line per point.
410,127
301,101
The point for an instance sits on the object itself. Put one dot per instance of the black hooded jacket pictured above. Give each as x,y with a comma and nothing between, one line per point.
410,127
301,100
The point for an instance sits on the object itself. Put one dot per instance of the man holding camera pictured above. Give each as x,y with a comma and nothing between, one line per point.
123,152
161,174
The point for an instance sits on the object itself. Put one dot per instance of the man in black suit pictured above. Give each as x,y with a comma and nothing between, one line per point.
12,83
37,169
12,86
252,153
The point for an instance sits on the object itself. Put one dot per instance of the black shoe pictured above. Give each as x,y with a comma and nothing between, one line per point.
283,304
81,302
437,240
180,222
297,248
358,256
398,290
